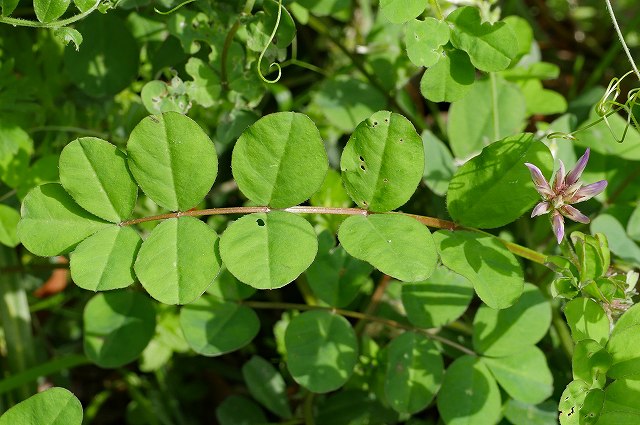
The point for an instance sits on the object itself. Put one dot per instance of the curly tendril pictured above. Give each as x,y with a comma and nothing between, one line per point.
169,12
607,106
271,38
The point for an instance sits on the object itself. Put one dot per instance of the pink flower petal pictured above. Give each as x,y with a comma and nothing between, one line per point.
542,186
558,226
573,213
588,192
558,181
574,175
541,208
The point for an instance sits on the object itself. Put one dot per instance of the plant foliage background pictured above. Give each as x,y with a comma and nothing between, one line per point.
318,212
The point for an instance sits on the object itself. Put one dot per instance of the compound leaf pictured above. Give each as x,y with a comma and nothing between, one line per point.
424,40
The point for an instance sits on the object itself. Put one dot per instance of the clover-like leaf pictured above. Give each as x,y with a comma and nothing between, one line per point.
490,46
450,79
173,160
55,406
178,261
383,162
322,350
280,160
95,174
424,40
267,251
395,244
52,223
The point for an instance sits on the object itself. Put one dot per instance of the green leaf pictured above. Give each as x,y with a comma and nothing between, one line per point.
469,394
502,114
590,363
353,407
414,372
621,403
50,10
439,300
325,7
395,244
9,219
173,160
346,101
158,96
261,24
383,162
238,410
84,5
490,46
205,87
541,101
104,261
117,327
213,327
587,320
16,148
438,164
8,6
280,160
322,350
450,79
523,33
521,413
494,271
524,375
55,406
52,223
399,11
624,346
495,187
267,386
94,172
619,242
178,261
258,248
109,58
580,405
505,332
424,40
228,288
334,276
69,35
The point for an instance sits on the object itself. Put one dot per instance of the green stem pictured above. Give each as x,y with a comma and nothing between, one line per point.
436,7
224,78
433,222
17,22
621,37
29,376
307,409
563,332
321,28
16,324
429,333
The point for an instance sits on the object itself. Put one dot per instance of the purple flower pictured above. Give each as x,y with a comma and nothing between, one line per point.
565,190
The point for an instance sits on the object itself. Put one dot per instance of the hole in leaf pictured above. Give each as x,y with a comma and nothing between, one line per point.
375,123
362,168
401,140
385,180
386,120
260,222
361,158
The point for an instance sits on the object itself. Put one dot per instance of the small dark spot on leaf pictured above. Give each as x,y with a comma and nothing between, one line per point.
386,120
361,158
375,123
154,119
385,180
401,140
362,168
260,222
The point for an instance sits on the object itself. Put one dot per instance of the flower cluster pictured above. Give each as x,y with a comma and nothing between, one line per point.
565,190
